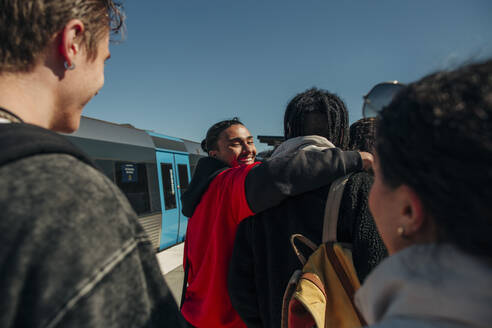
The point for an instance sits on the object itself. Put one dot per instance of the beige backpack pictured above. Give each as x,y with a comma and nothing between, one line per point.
321,294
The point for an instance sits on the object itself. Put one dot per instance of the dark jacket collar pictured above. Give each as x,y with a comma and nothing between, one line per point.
206,170
22,140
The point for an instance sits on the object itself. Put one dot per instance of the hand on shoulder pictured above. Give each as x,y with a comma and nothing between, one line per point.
367,160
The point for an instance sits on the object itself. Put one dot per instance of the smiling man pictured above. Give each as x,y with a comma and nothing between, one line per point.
229,186
235,146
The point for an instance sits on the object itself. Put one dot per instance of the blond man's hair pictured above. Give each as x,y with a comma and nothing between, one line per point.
27,26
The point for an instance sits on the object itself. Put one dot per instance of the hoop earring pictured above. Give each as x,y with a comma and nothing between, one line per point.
71,67
401,232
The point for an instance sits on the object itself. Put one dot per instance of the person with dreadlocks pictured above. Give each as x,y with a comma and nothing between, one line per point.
263,261
229,186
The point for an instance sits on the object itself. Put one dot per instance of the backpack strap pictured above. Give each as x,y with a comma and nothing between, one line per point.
306,241
332,208
21,140
341,272
330,219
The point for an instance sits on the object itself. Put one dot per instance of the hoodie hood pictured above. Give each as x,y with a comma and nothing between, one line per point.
431,283
206,170
305,142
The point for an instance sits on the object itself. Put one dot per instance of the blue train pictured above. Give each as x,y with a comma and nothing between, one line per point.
152,170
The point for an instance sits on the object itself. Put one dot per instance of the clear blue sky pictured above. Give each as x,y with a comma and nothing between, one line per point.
186,64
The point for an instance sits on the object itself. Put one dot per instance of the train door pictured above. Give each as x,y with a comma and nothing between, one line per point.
169,199
183,177
173,170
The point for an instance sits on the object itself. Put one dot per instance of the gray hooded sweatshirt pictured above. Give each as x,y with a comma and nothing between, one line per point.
426,286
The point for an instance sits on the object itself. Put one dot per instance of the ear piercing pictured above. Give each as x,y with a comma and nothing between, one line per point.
71,67
401,232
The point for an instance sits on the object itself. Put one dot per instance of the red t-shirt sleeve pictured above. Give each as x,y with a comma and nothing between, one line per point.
233,181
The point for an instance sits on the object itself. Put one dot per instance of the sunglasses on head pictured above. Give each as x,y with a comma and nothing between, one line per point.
380,96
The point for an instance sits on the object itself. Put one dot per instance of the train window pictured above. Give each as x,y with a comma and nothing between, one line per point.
132,180
183,178
168,186
155,195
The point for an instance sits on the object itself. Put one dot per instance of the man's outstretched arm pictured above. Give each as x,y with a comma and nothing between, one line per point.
268,184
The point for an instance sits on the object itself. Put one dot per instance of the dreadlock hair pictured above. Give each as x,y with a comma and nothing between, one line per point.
363,135
330,118
213,133
436,138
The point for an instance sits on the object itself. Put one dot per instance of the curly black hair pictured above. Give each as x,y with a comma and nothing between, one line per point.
363,135
213,133
436,137
333,125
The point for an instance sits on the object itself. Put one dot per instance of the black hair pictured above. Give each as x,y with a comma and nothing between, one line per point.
213,133
330,118
363,135
436,137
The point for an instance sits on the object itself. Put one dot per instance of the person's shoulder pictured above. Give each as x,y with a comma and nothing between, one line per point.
52,169
58,197
242,167
360,181
361,176
353,204
61,178
232,173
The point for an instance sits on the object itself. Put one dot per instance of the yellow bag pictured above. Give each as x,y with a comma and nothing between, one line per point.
321,295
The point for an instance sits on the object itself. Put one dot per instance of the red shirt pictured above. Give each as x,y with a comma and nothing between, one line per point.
208,247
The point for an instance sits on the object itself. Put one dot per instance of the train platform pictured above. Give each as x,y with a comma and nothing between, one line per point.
171,264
